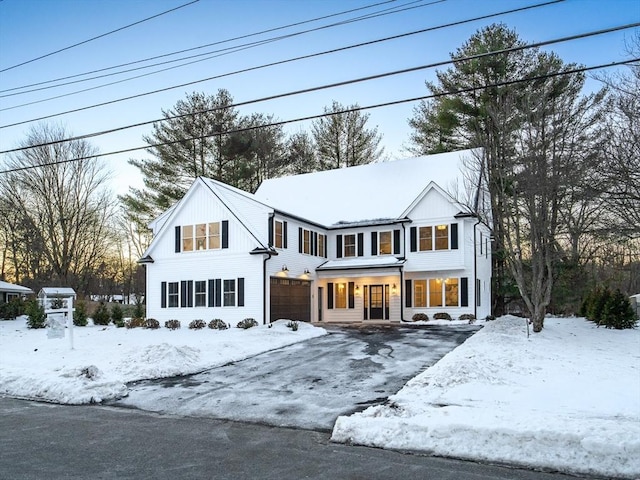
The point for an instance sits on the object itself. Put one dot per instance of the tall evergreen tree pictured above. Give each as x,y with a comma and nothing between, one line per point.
300,156
343,140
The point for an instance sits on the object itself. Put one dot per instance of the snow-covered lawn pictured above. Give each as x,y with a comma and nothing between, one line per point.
566,399
104,359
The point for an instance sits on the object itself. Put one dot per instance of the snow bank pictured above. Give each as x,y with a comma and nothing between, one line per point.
566,399
105,359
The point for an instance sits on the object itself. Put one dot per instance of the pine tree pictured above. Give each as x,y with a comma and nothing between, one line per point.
617,312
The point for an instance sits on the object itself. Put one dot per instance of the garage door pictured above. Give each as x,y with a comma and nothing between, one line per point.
290,299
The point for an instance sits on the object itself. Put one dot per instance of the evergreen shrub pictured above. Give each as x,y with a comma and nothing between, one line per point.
135,322
197,324
441,316
117,315
151,324
12,309
80,314
618,313
101,315
36,316
217,324
467,316
172,324
247,323
420,317
293,325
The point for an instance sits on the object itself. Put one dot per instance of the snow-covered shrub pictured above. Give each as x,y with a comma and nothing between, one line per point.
135,322
172,324
420,317
80,315
197,324
101,315
618,312
490,317
293,325
12,309
36,315
117,315
217,324
247,323
441,316
467,316
151,323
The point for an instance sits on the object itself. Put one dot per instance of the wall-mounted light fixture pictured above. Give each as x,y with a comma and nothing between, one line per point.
393,289
284,268
306,271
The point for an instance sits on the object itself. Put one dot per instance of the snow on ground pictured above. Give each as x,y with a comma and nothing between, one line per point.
565,399
104,359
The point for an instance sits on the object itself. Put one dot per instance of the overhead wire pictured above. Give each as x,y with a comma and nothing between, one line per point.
290,60
328,114
97,37
226,51
219,42
342,83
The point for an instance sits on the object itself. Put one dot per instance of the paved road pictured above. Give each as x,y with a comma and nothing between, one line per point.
45,441
306,385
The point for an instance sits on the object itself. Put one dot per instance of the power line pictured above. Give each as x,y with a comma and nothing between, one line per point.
99,36
348,110
281,62
227,51
198,47
342,83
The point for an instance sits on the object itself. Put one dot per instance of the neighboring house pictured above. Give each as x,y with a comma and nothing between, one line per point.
9,291
369,243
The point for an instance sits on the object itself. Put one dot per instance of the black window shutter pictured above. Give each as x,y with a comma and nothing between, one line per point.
351,294
454,236
225,234
284,234
360,244
464,292
326,246
218,292
315,243
210,299
330,295
178,241
374,243
338,246
396,242
163,295
190,293
299,239
183,293
270,231
311,241
407,293
241,292
413,234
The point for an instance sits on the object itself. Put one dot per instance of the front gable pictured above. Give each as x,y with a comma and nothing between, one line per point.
433,203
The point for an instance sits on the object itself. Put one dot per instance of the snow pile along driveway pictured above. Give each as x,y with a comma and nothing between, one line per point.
565,399
106,358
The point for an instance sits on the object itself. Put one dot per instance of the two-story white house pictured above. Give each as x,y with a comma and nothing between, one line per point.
377,242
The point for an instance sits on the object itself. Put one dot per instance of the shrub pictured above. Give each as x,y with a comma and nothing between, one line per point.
139,310
117,315
293,325
135,322
441,316
618,313
80,314
217,324
101,315
57,304
172,324
490,317
12,309
467,316
247,323
594,303
36,315
420,317
197,324
151,324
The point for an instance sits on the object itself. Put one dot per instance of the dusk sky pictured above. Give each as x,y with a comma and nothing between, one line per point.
33,28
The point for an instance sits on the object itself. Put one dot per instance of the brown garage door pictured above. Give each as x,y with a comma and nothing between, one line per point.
290,299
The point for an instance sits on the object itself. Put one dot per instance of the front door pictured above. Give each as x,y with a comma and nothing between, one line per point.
376,302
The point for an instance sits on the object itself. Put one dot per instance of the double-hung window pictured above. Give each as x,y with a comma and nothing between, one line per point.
341,295
349,245
172,296
385,243
321,243
279,235
442,237
201,293
426,238
214,235
420,293
229,293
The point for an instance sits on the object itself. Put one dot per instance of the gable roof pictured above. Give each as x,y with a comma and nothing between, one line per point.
13,288
373,191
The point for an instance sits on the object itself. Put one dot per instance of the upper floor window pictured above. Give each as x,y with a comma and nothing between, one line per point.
201,236
442,237
214,235
426,238
279,234
385,243
434,238
187,238
306,242
349,245
321,245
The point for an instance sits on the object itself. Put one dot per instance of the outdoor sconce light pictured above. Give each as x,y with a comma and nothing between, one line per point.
284,268
306,271
393,289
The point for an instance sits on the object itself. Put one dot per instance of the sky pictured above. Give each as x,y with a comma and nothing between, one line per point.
38,28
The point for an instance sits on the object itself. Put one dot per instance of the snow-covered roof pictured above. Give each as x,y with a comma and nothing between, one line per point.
12,288
376,190
57,292
360,263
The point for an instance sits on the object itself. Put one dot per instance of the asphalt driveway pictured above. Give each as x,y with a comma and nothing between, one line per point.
306,385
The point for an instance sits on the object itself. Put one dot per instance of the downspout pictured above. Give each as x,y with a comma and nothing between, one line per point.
264,288
404,244
475,270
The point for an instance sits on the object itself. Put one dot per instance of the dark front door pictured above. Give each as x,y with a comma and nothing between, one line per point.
376,302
